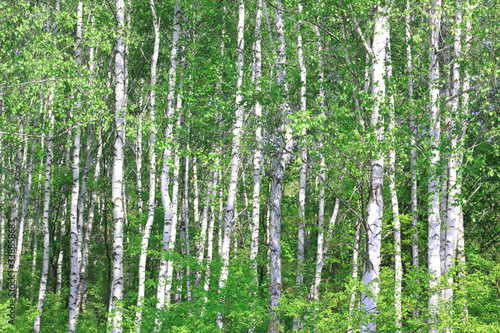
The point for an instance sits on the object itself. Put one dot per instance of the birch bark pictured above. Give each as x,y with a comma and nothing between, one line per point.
434,231
152,167
170,217
413,141
46,206
398,268
200,251
90,220
210,236
238,124
75,268
81,217
257,156
279,163
454,210
371,274
24,215
299,279
354,275
460,239
117,172
321,250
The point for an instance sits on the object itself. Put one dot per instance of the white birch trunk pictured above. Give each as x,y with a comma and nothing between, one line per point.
220,234
152,171
398,268
277,171
117,173
75,269
90,221
321,251
238,124
371,274
460,233
299,279
200,251
64,212
24,215
413,141
434,231
81,217
257,156
210,236
354,275
453,209
74,230
170,208
14,210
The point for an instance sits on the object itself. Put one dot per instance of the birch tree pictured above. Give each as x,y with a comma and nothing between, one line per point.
152,168
433,184
371,274
117,173
235,151
75,268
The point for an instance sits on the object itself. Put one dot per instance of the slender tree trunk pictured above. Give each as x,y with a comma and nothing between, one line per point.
398,268
460,232
81,217
85,247
64,212
170,208
433,185
371,274
238,124
90,220
210,236
413,142
321,250
184,227
354,275
117,177
46,206
200,247
454,210
257,156
74,230
14,209
220,234
279,163
24,215
299,279
35,223
152,169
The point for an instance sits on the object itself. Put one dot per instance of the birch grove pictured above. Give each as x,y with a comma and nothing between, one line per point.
249,166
